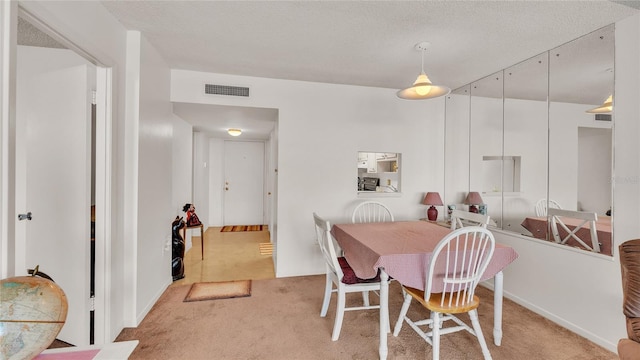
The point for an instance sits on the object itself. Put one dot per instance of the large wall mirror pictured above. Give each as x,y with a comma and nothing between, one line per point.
534,147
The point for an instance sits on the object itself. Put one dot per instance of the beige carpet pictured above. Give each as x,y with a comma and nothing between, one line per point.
281,320
218,290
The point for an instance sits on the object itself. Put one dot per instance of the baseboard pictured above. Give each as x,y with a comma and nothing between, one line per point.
560,321
150,304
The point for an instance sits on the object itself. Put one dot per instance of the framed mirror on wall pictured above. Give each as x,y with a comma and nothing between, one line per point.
540,137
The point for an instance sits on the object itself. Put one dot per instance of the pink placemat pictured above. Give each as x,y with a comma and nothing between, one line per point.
69,355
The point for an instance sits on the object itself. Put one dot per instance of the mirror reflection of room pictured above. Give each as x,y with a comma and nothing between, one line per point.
378,172
534,138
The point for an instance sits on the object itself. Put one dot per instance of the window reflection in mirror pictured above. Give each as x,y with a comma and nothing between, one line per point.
378,172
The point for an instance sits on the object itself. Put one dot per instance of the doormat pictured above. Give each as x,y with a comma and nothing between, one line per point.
234,228
218,290
266,248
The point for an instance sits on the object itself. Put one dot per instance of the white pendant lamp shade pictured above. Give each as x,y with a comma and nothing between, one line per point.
604,108
234,132
423,88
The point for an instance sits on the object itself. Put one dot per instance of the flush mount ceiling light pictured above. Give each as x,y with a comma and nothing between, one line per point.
604,108
423,88
234,132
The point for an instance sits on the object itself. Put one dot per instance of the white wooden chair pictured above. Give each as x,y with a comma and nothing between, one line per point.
371,211
541,206
340,275
461,218
590,218
457,265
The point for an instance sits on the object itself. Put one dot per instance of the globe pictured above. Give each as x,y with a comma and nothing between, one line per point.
32,313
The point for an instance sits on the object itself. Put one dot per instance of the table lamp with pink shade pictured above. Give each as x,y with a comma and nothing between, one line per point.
432,198
473,199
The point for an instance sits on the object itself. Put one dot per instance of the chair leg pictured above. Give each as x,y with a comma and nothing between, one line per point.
435,339
328,288
337,325
473,314
403,313
365,298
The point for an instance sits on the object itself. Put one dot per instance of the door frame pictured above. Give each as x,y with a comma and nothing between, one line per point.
12,256
265,165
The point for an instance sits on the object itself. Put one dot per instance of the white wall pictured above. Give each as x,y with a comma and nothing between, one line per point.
201,177
321,128
216,181
155,179
182,165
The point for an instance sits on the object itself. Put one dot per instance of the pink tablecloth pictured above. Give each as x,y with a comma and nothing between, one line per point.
403,249
70,355
538,227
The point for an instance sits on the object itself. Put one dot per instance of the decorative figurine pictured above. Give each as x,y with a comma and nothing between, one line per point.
177,247
192,218
450,209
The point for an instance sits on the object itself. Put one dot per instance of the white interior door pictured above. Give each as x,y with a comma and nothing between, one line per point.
53,175
244,183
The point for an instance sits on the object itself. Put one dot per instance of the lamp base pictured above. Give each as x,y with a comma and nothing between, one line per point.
473,209
432,213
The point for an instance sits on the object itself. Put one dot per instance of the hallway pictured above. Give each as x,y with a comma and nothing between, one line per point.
227,256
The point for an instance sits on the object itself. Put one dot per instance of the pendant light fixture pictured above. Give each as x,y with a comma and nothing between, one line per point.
604,108
423,88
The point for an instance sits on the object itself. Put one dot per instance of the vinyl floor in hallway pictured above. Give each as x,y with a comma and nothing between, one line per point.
227,256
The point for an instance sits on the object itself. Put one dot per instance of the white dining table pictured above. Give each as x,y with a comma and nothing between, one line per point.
403,250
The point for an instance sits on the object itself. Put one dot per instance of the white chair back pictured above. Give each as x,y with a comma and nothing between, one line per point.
335,279
542,205
458,262
461,218
590,218
325,240
371,211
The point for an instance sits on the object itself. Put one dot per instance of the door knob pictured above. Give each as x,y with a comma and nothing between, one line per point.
226,188
26,216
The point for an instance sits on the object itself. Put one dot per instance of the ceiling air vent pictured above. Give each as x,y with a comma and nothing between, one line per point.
226,90
603,117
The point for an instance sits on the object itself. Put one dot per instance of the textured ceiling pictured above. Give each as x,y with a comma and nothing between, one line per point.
29,35
368,43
